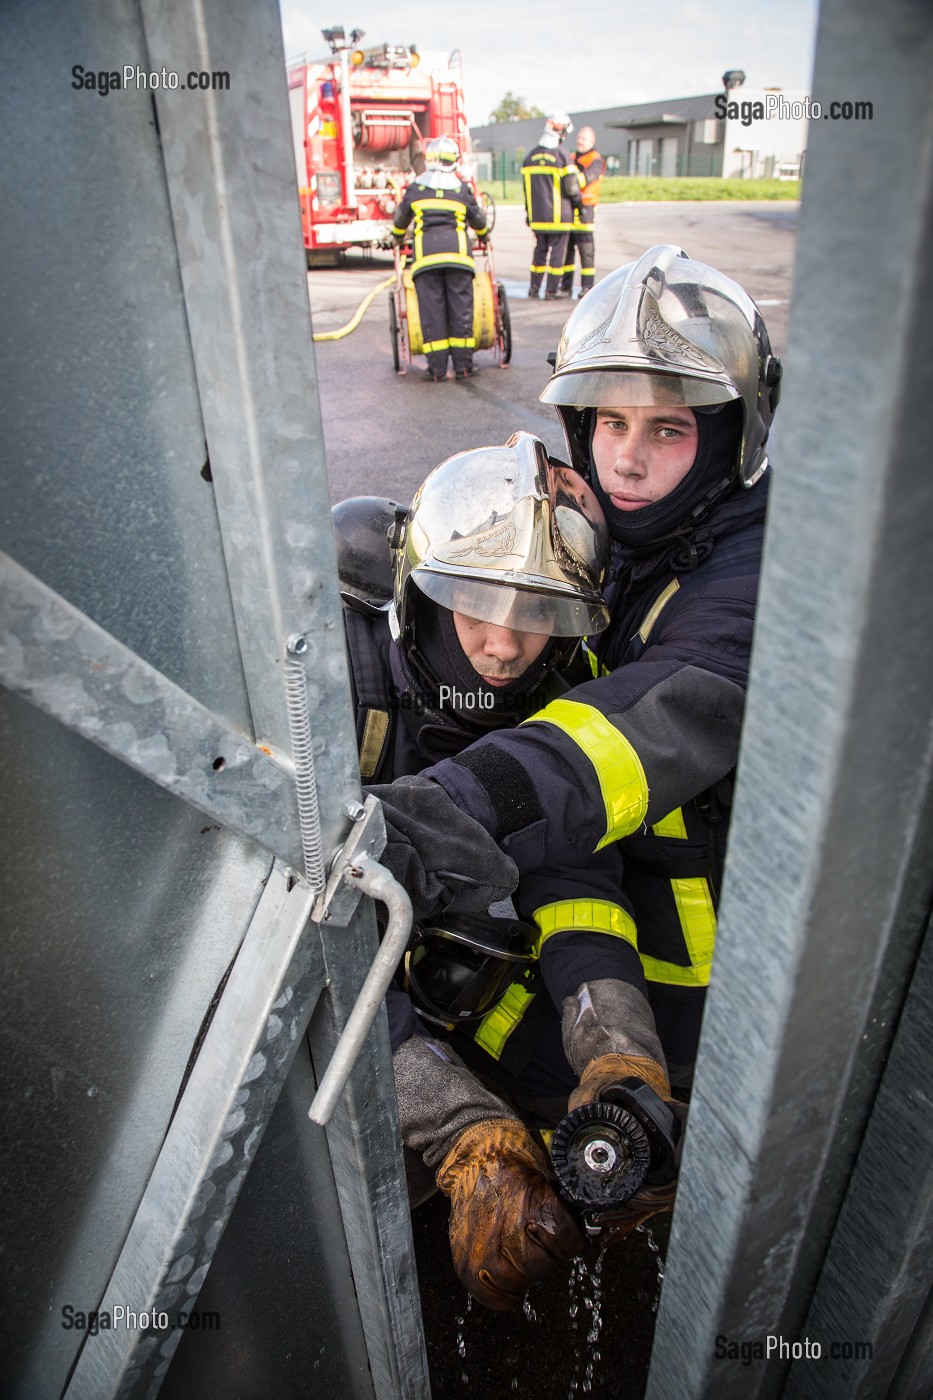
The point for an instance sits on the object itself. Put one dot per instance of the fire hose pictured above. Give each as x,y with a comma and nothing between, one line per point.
358,314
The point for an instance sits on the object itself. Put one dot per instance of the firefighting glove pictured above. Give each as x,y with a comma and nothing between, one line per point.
607,1070
444,859
508,1226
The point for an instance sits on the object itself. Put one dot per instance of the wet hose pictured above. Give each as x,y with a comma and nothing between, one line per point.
358,314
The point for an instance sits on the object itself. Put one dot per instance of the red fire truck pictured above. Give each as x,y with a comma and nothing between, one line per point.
360,119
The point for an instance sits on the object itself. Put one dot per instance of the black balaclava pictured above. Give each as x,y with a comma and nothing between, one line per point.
712,476
442,660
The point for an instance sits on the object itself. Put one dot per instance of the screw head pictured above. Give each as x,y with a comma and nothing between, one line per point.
356,811
296,645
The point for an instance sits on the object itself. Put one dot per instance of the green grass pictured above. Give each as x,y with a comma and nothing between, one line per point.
619,189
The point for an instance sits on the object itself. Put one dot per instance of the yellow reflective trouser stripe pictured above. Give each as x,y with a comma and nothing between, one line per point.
621,777
595,915
698,921
464,342
498,1024
430,345
535,268
671,825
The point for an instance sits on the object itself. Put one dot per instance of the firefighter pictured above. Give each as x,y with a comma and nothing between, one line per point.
553,205
442,205
591,168
666,386
497,575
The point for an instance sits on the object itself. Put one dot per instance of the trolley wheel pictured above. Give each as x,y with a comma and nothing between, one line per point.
504,327
489,209
394,332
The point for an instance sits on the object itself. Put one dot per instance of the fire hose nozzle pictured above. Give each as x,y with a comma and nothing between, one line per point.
604,1152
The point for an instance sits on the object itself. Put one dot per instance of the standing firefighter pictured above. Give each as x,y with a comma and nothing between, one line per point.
592,168
553,204
442,205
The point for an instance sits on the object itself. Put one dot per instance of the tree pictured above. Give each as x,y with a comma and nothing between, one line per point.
514,109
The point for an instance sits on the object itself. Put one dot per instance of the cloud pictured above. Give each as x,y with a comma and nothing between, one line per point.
610,54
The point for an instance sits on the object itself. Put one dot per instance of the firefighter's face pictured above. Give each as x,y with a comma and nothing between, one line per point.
641,454
498,654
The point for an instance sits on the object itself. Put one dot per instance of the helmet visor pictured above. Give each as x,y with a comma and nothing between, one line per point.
619,388
522,608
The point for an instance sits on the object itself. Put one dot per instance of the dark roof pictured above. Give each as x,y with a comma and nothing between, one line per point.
666,111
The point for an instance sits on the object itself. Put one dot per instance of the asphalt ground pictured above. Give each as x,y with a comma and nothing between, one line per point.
383,433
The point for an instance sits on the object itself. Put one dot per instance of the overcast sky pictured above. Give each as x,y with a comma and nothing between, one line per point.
603,53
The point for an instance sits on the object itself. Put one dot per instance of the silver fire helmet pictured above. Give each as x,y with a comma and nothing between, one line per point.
505,536
666,331
442,153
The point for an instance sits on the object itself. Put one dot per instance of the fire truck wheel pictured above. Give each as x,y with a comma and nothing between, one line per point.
393,332
489,209
505,326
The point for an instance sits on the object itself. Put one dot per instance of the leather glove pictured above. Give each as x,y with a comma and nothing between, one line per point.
606,1070
508,1226
444,859
650,1200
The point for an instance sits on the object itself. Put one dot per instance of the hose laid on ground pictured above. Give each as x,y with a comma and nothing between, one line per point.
358,314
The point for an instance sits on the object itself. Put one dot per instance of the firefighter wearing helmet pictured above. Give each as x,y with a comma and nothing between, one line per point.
497,573
667,386
590,171
553,204
443,206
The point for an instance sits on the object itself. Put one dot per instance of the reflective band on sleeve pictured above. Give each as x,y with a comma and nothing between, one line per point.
654,612
618,768
374,734
671,825
698,921
498,1024
591,915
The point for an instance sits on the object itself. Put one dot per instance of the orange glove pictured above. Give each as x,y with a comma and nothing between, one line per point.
598,1075
609,1069
508,1226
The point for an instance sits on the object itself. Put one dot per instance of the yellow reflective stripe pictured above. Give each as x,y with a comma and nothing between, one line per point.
430,259
673,974
697,918
587,271
671,825
538,269
430,345
618,768
499,1023
594,915
539,226
374,734
654,611
430,204
463,342
698,922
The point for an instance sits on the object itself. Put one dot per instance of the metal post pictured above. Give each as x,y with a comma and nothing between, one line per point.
828,880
